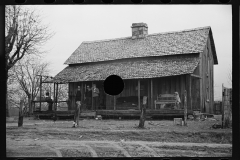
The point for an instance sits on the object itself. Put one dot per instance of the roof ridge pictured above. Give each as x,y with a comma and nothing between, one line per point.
105,40
185,30
153,34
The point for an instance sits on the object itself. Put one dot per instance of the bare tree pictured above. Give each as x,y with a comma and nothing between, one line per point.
24,35
26,71
63,92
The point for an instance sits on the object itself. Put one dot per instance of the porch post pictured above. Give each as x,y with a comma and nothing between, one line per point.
82,96
54,88
114,102
56,96
92,96
189,94
148,98
151,94
40,92
139,103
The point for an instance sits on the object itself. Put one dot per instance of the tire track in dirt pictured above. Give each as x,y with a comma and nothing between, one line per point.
93,152
121,149
156,149
75,147
150,150
59,154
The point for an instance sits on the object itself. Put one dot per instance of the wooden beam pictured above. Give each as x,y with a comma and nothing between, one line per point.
54,88
177,85
68,96
139,103
114,102
196,76
185,107
82,96
40,92
149,92
201,81
182,85
189,91
92,96
151,84
56,98
173,85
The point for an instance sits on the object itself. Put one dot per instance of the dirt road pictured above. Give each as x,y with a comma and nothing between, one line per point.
70,148
112,138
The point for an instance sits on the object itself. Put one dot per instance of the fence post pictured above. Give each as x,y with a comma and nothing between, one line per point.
185,108
143,113
227,111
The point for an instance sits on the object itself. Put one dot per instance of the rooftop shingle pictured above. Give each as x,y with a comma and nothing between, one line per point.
161,44
130,69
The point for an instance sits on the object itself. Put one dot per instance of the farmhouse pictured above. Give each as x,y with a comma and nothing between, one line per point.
150,65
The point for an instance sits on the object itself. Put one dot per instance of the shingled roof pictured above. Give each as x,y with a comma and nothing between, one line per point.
130,69
161,44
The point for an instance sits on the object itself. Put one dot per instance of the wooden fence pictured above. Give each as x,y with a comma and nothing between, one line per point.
226,107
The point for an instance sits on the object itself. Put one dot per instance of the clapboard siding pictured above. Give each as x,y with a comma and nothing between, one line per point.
207,93
211,76
196,87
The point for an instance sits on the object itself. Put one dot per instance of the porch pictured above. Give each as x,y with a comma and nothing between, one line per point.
160,113
135,89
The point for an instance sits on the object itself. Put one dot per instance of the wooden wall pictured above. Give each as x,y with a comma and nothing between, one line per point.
164,85
207,85
169,85
129,90
72,89
72,92
211,76
195,90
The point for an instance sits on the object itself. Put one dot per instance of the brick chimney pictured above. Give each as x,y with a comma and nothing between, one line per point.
139,30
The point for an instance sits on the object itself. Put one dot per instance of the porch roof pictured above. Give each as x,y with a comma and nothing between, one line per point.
129,69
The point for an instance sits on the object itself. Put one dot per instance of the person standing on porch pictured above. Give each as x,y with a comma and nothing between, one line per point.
49,101
77,107
95,96
178,100
88,96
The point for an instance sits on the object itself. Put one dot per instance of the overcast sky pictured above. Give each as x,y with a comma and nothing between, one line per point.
74,24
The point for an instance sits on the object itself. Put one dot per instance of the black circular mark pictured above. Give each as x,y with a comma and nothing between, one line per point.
137,1
20,1
77,1
113,85
195,1
107,1
166,1
224,1
49,1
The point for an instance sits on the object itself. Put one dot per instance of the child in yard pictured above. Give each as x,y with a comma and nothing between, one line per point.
77,107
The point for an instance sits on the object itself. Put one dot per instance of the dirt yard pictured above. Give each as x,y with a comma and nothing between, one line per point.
117,138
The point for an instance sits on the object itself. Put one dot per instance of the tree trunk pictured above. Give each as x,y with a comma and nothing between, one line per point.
185,108
20,118
30,109
143,113
7,109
